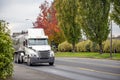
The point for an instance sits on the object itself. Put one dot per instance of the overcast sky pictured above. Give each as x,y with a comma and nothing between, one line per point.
17,11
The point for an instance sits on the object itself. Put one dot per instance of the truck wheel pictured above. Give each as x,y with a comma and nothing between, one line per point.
51,63
17,60
29,62
21,59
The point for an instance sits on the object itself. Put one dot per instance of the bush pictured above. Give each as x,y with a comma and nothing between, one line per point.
106,47
89,46
115,46
65,47
6,55
83,46
80,47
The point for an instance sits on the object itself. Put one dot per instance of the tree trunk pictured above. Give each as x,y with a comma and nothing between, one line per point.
100,47
73,47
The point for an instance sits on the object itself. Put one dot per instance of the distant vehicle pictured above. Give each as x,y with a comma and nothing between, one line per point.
33,47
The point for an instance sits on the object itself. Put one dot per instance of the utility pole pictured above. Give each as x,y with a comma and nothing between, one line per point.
111,39
111,32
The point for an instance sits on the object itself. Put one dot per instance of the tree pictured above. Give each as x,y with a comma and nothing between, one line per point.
6,52
47,20
94,19
116,12
66,14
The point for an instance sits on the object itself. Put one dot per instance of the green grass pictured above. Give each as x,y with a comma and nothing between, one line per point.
116,56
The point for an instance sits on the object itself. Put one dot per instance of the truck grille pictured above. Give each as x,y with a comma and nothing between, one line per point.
44,54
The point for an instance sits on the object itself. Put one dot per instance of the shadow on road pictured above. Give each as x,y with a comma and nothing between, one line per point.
37,65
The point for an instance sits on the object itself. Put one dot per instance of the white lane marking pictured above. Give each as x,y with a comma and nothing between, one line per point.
86,69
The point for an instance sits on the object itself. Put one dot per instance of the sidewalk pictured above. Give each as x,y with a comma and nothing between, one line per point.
25,73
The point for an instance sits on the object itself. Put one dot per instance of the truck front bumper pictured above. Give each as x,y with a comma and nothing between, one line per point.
40,60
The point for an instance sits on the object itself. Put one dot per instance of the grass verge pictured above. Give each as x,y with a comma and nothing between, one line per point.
115,56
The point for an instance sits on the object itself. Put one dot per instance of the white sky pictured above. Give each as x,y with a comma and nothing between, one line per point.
17,11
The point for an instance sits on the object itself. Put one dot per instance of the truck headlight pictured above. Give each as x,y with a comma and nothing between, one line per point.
33,55
22,54
51,54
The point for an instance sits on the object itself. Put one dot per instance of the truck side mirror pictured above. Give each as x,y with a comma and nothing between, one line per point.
30,47
23,43
26,42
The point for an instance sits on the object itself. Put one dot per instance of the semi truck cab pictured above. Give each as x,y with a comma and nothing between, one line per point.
34,48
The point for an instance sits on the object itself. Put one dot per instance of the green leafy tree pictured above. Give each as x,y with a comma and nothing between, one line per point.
67,14
93,17
6,52
116,12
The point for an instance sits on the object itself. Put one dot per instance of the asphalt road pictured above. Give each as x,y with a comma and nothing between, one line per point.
23,72
82,69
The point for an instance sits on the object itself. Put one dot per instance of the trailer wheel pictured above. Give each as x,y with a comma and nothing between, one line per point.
29,61
51,63
16,58
21,57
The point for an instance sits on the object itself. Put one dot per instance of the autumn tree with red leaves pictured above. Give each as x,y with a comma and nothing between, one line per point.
48,21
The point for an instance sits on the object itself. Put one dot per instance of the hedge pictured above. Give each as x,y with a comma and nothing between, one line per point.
65,47
6,54
115,46
83,46
89,46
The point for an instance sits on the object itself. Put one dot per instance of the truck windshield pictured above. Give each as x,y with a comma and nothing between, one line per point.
38,42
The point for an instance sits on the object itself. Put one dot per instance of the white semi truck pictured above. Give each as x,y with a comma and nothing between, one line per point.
33,47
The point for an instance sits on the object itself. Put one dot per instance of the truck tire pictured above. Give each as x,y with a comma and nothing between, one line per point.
51,63
17,59
21,59
29,61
